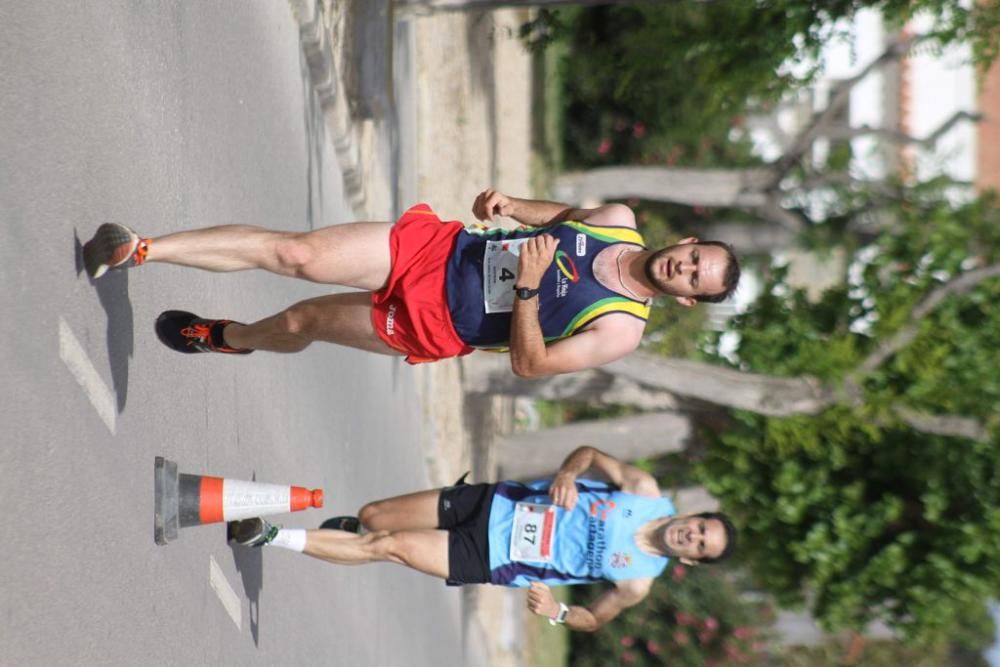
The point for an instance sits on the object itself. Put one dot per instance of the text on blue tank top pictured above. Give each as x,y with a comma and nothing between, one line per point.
570,296
593,542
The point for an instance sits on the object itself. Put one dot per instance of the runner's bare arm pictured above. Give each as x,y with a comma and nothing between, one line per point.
611,338
626,477
609,604
538,213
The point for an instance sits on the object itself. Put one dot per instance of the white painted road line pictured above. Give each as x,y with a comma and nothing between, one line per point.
101,397
230,600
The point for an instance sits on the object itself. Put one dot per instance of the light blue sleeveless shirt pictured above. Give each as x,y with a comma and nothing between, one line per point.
593,542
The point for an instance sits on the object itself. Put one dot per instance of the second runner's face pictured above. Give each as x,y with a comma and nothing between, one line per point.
687,270
692,538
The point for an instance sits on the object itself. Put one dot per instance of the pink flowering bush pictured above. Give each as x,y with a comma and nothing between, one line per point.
691,620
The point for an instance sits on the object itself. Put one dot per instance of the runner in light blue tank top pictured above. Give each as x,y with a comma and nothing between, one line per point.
560,531
595,541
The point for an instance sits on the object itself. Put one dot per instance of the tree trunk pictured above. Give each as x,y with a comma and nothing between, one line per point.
694,187
640,377
750,238
538,454
490,374
460,5
644,379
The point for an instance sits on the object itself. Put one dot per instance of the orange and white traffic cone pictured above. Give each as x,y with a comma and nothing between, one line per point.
184,500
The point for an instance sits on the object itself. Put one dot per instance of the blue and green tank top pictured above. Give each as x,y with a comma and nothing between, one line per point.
593,542
570,296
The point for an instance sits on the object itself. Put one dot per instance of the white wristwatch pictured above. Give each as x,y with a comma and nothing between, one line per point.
560,618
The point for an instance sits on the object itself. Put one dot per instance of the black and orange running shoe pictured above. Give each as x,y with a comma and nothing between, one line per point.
186,332
113,246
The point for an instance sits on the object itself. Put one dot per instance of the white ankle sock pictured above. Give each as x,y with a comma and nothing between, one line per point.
290,538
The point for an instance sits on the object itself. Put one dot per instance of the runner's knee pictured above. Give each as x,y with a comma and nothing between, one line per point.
293,253
393,547
298,320
368,515
386,546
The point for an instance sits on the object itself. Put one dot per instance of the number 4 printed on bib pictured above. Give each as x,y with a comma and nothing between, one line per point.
500,261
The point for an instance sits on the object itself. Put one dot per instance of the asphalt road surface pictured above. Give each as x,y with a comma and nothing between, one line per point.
167,116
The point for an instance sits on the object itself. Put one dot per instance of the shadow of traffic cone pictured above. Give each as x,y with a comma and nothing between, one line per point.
190,500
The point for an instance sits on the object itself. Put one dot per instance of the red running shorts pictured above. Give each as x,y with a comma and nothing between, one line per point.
410,314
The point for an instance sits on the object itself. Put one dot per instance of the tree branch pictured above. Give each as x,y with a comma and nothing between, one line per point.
818,181
647,376
949,425
905,336
682,185
772,211
895,136
822,119
464,5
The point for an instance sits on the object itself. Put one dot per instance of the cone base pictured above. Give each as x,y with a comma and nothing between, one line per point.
165,501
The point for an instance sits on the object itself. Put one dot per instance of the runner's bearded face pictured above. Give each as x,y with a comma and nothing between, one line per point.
688,270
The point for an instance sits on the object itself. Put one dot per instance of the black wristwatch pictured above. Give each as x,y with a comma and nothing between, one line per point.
525,292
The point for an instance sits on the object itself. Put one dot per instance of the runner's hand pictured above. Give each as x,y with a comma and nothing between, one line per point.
563,490
540,600
535,256
491,203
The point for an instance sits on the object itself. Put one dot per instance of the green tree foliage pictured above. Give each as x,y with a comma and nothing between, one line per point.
651,82
690,618
663,82
852,510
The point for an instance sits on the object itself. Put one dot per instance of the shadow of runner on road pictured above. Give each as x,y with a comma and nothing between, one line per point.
112,291
250,565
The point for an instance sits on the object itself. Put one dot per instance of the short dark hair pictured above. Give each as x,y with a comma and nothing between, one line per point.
730,279
730,536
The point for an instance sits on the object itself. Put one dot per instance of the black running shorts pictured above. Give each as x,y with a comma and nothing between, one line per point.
464,511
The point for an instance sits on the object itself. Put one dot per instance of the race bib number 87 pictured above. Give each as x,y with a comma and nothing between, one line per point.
533,533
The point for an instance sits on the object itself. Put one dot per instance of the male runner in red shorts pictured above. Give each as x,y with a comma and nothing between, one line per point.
571,292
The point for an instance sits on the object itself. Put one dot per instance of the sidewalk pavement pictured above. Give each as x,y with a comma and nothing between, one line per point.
432,107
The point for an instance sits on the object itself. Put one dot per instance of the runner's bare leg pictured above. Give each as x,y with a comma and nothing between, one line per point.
422,550
410,512
353,255
344,319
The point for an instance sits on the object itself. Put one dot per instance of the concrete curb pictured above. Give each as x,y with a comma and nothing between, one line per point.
318,24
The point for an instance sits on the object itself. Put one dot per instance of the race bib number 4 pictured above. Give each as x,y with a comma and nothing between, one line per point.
500,274
533,533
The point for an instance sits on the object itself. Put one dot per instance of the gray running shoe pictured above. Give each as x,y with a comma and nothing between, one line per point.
250,532
113,246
